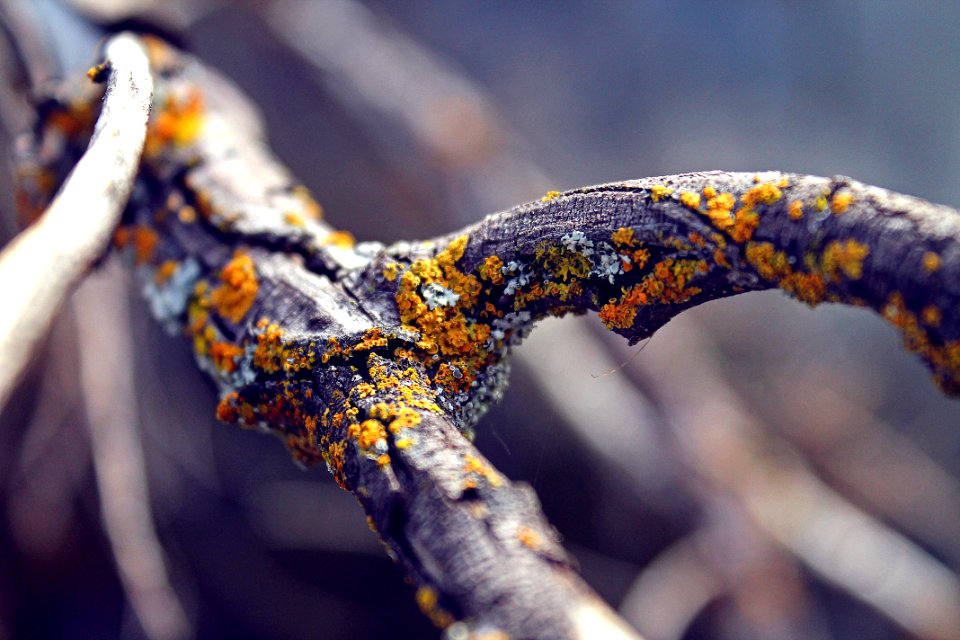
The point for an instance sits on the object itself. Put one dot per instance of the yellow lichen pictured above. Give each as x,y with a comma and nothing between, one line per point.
658,192
562,263
550,196
690,200
390,271
841,202
624,237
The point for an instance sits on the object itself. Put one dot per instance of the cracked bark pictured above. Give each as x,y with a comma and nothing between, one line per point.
380,360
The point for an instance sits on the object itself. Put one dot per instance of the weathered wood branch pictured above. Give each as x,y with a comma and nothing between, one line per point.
42,265
379,360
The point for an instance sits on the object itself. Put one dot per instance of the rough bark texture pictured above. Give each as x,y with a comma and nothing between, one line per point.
380,360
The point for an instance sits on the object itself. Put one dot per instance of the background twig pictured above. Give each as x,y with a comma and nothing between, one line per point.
46,261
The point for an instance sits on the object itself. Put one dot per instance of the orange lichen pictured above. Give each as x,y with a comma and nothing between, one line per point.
427,600
492,270
342,239
841,202
844,256
795,210
444,329
367,433
769,263
225,355
709,192
774,265
623,237
931,315
808,288
311,207
943,358
144,241
226,409
293,218
187,214
690,200
472,464
165,271
764,193
931,262
238,288
667,284
745,224
719,209
177,120
529,538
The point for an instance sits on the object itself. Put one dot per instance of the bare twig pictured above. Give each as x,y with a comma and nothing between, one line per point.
43,264
837,539
106,371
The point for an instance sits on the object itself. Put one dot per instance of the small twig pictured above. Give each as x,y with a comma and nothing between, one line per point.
106,371
41,265
844,544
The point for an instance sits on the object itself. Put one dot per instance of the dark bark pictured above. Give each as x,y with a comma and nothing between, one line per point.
380,360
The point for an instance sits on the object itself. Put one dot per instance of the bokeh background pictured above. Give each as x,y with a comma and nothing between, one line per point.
756,470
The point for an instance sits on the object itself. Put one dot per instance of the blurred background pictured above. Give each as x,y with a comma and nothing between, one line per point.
756,470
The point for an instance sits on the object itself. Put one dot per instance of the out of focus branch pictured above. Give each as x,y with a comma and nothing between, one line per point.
43,264
106,368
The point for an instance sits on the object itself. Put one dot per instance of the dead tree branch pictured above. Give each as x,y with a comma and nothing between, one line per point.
45,262
379,360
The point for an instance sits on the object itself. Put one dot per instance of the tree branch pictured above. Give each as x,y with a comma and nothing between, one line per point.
43,264
378,360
